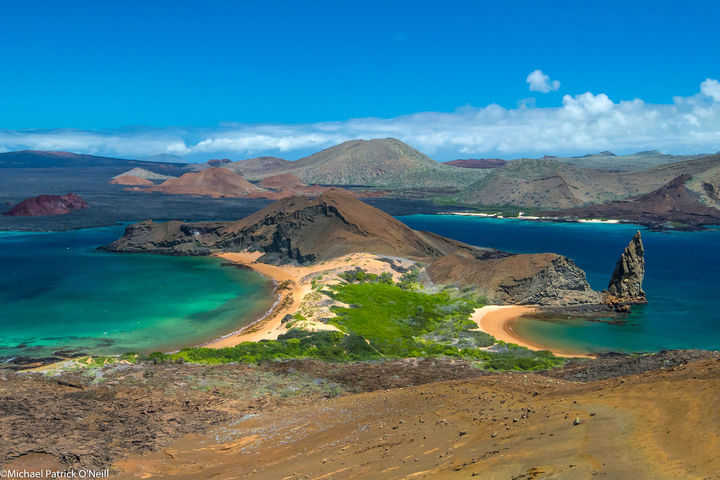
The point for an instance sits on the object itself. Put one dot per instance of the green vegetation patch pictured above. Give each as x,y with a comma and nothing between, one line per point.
384,320
396,321
328,346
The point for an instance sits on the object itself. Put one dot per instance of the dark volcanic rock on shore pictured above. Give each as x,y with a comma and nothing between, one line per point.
673,202
48,205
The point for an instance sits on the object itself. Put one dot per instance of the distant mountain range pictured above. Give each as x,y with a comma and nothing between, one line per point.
673,202
50,159
549,183
389,167
634,162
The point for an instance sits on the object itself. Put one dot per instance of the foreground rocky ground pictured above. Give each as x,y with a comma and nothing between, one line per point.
652,416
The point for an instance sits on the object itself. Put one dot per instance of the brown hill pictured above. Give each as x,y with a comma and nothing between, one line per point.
673,202
131,180
48,205
281,182
543,183
296,229
211,182
286,185
482,163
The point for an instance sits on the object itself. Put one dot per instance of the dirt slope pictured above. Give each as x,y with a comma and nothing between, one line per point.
281,182
656,425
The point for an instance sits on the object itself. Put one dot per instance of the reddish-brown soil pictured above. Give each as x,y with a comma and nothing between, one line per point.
48,205
659,425
281,182
211,182
644,417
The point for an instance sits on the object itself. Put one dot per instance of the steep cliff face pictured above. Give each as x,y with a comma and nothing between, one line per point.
532,279
48,205
625,287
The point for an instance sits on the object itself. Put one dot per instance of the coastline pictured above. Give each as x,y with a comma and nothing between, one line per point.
292,284
498,321
536,218
288,293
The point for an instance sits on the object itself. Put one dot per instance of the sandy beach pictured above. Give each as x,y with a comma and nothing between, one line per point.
293,284
498,320
289,296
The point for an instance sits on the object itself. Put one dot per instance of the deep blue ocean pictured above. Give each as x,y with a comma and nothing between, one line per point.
682,279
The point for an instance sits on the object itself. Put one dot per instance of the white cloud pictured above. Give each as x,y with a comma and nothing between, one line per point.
539,82
582,123
711,88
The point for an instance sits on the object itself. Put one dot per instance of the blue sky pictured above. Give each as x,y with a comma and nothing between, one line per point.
189,71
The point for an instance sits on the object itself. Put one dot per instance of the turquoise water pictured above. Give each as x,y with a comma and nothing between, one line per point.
58,292
681,281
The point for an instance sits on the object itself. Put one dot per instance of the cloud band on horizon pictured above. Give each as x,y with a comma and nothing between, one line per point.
583,123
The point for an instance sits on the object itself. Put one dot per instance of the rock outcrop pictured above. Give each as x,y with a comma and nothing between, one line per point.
48,205
527,279
625,287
